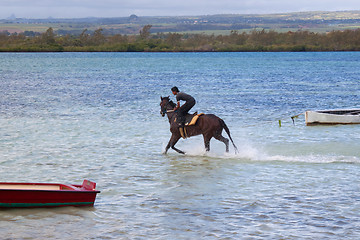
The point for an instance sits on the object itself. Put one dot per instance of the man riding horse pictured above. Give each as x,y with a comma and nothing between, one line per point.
184,109
209,125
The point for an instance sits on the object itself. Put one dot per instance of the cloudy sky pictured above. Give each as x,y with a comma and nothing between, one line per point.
124,8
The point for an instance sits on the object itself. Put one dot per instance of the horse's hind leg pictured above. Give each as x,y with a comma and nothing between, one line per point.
207,143
224,140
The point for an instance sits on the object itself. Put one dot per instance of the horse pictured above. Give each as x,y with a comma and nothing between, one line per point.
209,125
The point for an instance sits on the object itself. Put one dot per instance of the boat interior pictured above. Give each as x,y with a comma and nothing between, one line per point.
35,186
342,112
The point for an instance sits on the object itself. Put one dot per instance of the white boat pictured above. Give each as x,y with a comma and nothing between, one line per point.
337,116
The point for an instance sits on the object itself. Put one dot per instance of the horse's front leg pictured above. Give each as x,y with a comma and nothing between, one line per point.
173,140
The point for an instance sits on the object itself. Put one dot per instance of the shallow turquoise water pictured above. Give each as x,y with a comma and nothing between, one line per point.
65,117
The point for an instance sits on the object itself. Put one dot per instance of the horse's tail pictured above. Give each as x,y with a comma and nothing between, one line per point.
223,124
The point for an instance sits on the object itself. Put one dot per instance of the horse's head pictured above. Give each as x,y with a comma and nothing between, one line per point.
165,105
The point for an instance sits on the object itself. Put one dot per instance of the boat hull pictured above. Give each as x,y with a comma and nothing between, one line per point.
328,117
15,195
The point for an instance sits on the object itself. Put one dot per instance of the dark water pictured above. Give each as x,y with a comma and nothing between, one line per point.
65,117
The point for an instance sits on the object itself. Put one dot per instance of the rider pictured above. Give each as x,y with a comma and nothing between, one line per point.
185,108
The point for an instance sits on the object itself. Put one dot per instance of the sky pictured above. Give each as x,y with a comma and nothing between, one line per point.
125,8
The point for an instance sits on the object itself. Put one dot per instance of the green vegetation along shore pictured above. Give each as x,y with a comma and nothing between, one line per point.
145,41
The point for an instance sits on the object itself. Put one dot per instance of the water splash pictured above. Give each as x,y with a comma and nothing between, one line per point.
255,152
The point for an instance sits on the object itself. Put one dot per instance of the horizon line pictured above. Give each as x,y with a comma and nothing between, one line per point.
13,16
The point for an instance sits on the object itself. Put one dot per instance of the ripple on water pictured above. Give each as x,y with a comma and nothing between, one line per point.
71,116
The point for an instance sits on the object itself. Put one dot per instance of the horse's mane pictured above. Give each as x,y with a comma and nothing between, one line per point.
172,104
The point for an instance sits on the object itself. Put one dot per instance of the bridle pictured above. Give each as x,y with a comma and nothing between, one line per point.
166,111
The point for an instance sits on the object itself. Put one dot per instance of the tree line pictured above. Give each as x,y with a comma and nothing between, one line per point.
145,41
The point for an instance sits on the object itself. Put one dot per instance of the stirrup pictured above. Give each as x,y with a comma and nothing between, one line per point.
182,132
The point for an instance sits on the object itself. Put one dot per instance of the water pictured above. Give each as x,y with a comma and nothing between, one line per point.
65,117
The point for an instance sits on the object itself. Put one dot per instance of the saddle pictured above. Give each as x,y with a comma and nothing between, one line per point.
190,120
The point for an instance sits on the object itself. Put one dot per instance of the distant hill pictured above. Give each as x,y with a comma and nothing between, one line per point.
208,24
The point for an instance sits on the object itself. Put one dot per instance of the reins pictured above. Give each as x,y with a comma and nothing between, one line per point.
168,111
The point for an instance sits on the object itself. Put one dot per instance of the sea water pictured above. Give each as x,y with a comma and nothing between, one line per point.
65,117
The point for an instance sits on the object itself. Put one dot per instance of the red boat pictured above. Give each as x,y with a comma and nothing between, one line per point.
23,195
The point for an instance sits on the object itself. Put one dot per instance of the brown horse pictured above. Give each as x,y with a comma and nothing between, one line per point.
208,125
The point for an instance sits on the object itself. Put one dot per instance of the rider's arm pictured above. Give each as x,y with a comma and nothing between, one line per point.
177,105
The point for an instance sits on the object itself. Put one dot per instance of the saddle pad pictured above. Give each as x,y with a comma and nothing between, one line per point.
194,119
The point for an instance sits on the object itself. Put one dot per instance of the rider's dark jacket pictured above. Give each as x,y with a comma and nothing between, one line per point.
185,108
